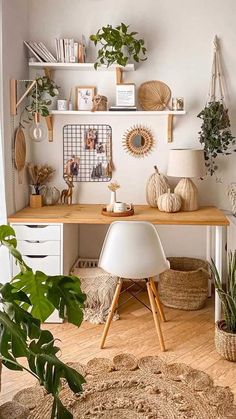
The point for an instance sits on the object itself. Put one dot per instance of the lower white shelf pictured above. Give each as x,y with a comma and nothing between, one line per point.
138,113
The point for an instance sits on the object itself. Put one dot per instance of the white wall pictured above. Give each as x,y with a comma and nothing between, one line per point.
14,31
179,37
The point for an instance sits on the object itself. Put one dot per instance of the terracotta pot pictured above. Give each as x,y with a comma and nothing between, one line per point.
225,342
36,201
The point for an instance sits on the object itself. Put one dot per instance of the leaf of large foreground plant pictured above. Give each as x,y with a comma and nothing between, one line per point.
12,342
34,285
65,294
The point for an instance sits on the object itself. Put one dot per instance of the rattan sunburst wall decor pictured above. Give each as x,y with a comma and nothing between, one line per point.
138,141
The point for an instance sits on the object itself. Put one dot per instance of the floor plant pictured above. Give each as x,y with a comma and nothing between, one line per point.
26,301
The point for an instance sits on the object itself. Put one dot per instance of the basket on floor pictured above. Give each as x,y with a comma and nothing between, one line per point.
99,287
225,341
185,284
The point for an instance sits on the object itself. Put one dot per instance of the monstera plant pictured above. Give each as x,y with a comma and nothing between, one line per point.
25,302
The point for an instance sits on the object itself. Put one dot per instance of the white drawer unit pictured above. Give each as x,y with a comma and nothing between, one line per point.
39,247
50,265
37,231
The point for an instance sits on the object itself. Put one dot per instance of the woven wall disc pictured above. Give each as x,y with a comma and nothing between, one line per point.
138,141
154,95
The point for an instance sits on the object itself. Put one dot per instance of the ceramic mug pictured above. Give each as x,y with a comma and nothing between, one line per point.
122,207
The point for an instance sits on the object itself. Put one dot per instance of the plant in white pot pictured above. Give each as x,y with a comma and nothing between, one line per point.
225,332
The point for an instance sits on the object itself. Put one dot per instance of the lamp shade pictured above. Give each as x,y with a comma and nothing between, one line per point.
187,163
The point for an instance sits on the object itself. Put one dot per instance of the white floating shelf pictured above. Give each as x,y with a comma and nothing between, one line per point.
79,66
110,113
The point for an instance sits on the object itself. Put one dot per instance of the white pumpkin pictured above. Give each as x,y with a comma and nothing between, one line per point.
157,185
169,202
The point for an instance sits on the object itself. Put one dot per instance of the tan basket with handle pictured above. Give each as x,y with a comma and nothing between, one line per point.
185,284
225,342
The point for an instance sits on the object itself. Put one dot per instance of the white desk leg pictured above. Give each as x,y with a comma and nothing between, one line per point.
218,263
208,253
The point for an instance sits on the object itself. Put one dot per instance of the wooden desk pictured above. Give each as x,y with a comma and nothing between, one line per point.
62,215
91,214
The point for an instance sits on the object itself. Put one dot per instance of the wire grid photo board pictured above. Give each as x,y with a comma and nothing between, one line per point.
87,152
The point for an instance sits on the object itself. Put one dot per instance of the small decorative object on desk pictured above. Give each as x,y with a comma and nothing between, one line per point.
99,103
177,104
157,185
232,196
66,194
51,195
113,186
39,175
169,202
129,211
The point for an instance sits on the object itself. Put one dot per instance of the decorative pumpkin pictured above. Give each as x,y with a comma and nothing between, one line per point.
169,202
157,185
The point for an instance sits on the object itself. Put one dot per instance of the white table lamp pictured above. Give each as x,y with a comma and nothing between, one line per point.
187,163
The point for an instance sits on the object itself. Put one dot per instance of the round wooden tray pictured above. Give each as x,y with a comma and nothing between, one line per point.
117,214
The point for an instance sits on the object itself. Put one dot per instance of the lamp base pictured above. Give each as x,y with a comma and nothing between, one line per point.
189,194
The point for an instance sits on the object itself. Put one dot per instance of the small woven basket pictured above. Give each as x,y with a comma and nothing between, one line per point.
225,342
185,284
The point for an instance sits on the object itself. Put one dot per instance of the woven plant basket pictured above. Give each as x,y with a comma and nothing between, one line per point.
225,342
185,284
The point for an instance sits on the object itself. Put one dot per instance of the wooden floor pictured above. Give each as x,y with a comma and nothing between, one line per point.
189,338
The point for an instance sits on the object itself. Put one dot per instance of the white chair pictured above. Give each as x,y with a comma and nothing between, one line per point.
133,250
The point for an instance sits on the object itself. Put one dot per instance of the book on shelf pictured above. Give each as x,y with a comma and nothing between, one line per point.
40,51
69,51
123,108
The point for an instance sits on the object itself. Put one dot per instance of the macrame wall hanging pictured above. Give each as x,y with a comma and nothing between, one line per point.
215,134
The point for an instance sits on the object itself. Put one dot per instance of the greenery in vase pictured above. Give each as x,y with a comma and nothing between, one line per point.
39,102
29,299
215,133
227,292
118,45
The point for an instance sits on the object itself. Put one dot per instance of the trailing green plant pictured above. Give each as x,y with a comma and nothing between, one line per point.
215,133
118,45
227,292
25,302
40,98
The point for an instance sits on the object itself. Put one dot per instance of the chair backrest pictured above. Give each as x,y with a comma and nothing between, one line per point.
132,249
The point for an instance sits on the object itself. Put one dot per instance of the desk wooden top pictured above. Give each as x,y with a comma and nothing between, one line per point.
91,214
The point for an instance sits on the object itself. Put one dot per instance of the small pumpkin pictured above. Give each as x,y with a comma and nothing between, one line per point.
169,202
157,185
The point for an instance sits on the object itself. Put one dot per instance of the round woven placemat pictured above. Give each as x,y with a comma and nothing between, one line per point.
128,388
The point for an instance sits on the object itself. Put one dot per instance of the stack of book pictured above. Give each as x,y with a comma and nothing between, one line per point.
70,51
123,108
40,51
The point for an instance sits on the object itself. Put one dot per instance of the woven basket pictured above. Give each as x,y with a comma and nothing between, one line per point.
154,95
225,342
185,284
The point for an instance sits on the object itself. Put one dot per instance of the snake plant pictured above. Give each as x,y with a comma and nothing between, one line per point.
227,292
25,302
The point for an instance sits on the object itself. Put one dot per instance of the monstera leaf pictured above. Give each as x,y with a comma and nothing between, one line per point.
34,285
65,294
7,239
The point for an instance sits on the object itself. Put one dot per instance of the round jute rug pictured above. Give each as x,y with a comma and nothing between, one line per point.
130,388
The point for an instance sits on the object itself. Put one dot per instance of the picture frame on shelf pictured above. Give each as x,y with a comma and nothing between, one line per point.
84,97
125,94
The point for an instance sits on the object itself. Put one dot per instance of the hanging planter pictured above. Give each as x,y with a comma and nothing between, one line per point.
215,134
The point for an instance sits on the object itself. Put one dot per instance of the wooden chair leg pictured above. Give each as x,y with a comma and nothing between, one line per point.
155,317
112,310
158,301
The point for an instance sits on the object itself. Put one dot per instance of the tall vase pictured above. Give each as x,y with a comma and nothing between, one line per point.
110,207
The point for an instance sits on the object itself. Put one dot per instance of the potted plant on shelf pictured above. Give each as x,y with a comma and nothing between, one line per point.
26,301
225,332
118,46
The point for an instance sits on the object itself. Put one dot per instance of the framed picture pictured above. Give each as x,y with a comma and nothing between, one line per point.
125,94
84,97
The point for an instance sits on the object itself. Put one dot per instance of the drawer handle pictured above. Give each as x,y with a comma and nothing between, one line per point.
36,256
36,226
35,241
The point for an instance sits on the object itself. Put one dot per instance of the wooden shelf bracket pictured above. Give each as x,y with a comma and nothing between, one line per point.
14,103
49,122
170,128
